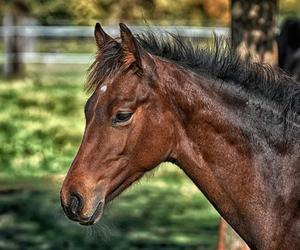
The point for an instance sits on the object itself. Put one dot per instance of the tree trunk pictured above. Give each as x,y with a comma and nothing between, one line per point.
253,30
15,13
253,36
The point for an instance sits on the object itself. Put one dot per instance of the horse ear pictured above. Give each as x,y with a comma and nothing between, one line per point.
131,48
101,37
134,54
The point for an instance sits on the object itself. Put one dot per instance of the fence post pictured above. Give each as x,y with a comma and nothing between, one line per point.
13,65
7,41
13,43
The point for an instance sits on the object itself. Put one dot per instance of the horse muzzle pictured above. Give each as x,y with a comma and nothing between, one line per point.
80,211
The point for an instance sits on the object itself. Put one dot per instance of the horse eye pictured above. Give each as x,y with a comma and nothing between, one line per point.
122,117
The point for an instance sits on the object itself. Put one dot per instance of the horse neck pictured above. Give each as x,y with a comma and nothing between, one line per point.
217,155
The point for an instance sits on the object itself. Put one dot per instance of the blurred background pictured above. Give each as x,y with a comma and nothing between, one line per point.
46,47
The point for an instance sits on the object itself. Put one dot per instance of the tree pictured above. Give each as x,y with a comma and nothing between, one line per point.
253,29
253,36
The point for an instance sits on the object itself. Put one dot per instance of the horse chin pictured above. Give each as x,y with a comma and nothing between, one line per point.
96,216
121,187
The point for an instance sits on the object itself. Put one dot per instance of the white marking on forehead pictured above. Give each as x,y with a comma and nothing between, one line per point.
103,88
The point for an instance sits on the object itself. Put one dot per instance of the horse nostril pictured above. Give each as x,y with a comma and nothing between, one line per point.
76,203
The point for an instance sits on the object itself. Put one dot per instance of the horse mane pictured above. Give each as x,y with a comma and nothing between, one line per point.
218,62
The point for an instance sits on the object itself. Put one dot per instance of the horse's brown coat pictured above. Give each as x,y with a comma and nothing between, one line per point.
180,116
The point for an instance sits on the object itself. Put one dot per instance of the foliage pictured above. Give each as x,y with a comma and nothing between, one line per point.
163,12
289,8
218,9
55,12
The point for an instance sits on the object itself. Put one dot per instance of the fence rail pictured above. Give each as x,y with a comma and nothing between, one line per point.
87,31
48,58
32,33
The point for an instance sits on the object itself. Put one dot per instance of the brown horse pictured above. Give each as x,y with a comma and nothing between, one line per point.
233,128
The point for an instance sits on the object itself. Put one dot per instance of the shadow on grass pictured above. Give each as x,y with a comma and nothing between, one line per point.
143,218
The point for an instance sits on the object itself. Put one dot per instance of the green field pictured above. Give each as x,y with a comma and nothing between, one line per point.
41,124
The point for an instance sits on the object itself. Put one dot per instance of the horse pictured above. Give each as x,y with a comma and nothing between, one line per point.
233,127
289,47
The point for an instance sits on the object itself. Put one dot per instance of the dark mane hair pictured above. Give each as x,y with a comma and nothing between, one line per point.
218,62
106,62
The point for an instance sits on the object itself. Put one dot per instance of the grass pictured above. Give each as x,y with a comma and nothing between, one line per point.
71,45
41,124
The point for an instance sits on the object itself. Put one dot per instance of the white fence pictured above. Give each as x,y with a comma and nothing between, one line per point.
30,34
